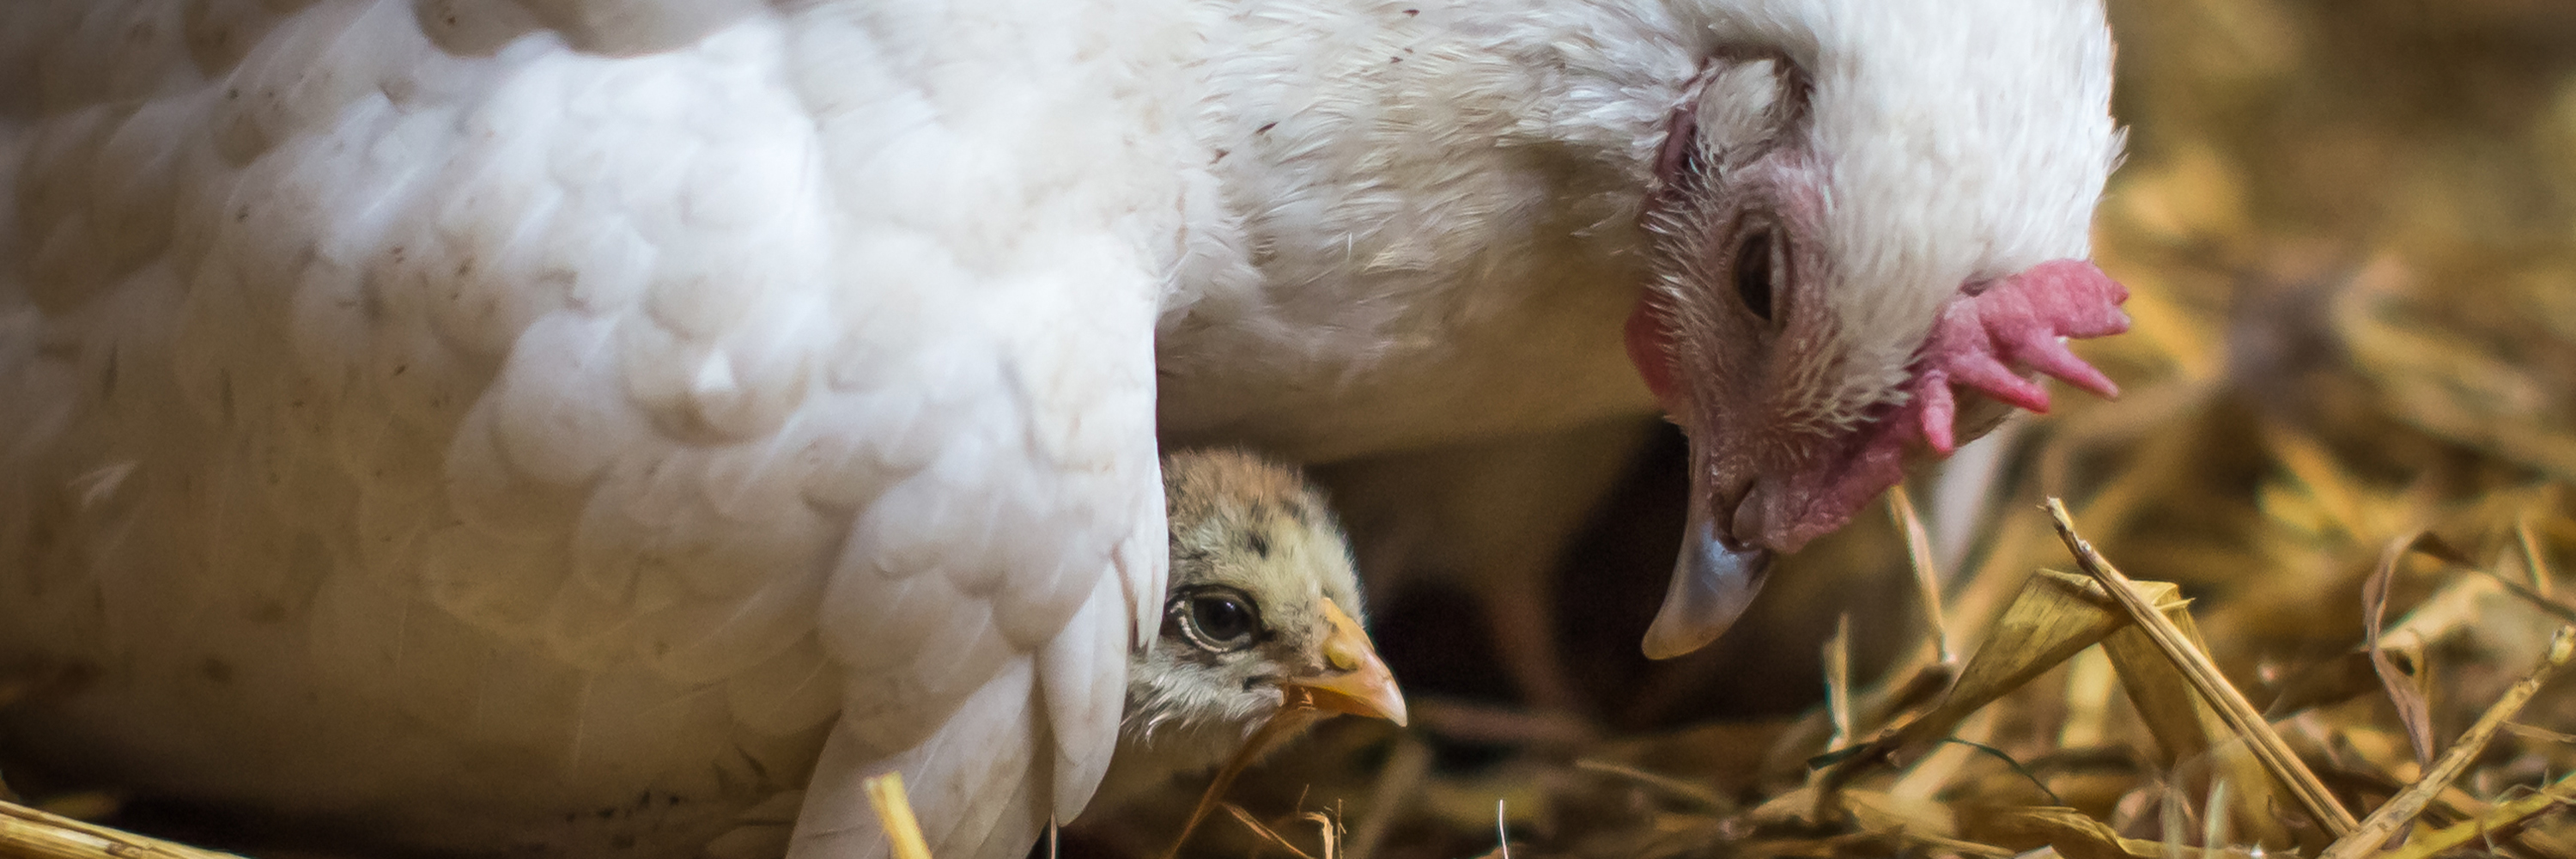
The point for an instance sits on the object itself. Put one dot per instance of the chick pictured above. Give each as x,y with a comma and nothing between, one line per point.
1261,627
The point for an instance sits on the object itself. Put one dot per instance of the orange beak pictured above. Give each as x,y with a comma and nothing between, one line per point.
1353,680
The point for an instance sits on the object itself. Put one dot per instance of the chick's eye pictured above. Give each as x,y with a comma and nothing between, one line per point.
1217,620
1753,273
1221,618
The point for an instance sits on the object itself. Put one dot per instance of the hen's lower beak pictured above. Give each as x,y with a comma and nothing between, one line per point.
1711,586
1353,679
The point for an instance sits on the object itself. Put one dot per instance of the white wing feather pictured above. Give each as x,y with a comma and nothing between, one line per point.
565,410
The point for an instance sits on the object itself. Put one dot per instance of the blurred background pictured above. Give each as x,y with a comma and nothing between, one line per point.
2349,229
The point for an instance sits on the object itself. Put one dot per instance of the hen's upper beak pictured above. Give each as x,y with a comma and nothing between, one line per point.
1712,583
1353,680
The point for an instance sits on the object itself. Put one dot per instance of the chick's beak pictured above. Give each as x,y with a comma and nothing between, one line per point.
1353,679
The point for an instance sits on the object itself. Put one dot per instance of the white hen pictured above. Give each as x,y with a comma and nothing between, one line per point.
563,425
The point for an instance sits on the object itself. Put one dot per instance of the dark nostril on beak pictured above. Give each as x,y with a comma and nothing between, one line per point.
1727,540
1748,520
1729,505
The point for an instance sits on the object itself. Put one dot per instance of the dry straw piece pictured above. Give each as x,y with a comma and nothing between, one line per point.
2205,679
26,833
894,812
2402,808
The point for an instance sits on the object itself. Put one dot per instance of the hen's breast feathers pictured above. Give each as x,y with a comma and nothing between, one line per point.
807,366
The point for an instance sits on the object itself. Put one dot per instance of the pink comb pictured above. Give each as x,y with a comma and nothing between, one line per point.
2018,321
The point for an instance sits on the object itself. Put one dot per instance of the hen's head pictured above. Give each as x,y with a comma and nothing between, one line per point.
1867,225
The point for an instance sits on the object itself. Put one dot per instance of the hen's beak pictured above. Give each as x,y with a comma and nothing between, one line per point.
1353,680
1712,583
1711,586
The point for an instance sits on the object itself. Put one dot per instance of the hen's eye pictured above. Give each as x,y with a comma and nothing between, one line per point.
1753,273
1216,619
